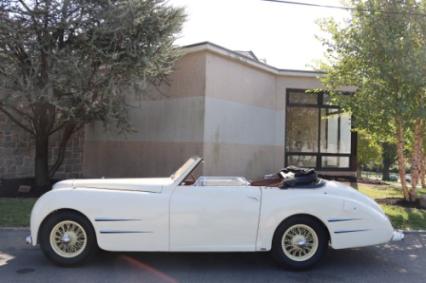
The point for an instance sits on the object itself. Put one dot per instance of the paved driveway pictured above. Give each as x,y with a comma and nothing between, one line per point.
401,262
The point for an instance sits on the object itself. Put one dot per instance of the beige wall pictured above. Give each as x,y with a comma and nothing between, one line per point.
244,132
168,123
230,112
136,158
230,80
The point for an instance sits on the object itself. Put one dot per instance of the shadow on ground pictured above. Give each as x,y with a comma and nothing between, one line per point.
402,261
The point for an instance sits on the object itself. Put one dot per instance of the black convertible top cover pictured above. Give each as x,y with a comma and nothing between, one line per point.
300,178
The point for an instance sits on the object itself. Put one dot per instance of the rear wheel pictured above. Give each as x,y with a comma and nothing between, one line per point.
300,242
67,238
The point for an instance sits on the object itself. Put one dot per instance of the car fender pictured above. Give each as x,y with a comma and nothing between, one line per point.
350,222
49,203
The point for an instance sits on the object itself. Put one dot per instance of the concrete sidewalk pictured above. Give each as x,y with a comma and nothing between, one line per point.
396,262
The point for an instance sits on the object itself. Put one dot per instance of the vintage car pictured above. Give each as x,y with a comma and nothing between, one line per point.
292,214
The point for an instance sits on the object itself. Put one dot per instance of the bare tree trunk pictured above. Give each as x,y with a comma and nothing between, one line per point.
416,159
387,160
359,171
41,170
422,169
401,157
66,135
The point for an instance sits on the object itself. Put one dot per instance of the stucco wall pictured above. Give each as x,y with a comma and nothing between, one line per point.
244,127
168,124
229,112
242,132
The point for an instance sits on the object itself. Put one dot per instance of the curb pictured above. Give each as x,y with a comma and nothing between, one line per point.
15,228
413,231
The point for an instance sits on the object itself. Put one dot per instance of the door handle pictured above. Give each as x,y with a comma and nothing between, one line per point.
253,198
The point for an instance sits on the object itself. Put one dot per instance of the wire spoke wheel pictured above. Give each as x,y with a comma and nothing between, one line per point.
68,239
299,242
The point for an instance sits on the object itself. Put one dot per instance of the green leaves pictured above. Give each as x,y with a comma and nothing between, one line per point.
79,56
382,53
66,63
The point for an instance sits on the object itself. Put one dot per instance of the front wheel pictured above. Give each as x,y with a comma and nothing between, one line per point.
67,238
300,242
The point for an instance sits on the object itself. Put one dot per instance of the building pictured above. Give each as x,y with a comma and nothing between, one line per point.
243,116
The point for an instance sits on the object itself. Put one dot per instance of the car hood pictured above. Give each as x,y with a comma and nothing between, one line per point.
153,185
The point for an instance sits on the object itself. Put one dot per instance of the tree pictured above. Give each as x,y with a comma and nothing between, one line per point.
388,158
381,52
369,151
66,63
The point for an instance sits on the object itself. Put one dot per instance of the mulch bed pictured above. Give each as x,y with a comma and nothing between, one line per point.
401,202
371,181
17,187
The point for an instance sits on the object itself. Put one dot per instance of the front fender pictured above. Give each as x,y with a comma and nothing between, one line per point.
48,203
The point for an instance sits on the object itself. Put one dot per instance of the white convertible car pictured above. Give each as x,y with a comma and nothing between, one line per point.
292,214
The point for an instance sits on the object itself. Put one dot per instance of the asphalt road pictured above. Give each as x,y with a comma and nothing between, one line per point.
397,262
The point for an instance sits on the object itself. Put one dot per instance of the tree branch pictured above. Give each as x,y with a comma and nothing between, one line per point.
69,130
16,121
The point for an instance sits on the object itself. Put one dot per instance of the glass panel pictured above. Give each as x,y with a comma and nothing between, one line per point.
302,160
335,131
301,97
326,100
345,133
302,129
335,162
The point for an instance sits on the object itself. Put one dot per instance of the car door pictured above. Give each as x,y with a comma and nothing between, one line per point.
214,218
130,220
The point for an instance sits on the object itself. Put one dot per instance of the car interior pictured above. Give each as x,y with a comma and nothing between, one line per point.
287,178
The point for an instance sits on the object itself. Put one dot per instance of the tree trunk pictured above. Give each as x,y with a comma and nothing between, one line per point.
416,158
359,171
401,157
41,170
387,160
423,169
66,135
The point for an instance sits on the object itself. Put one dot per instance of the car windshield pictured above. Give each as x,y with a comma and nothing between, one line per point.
185,168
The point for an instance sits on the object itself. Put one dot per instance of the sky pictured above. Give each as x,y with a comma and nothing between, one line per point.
284,35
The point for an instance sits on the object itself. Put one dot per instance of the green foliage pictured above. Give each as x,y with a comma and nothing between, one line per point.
381,53
66,63
369,151
74,58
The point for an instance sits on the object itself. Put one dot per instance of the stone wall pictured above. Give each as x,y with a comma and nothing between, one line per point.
17,153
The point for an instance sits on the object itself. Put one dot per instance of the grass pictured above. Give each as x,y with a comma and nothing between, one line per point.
401,217
15,212
406,218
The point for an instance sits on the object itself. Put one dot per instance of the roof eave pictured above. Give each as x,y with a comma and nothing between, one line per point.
220,50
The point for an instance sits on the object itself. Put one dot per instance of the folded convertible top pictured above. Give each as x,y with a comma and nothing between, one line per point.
291,177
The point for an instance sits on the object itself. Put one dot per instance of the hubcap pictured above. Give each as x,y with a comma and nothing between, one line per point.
299,242
68,239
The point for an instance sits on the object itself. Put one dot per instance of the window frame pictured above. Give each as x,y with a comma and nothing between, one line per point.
319,105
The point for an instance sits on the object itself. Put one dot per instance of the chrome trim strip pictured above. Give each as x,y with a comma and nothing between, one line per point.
102,219
343,219
123,232
350,231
